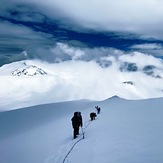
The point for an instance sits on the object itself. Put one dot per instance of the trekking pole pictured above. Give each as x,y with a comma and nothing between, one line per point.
82,132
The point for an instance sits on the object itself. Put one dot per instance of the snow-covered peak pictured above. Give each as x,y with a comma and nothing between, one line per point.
28,70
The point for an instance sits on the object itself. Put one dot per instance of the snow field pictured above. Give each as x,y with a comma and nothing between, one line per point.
125,131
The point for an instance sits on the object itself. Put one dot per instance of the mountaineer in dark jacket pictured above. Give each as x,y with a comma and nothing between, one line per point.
98,109
92,116
76,123
80,119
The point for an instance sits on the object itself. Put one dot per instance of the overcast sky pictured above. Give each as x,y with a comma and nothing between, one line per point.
36,26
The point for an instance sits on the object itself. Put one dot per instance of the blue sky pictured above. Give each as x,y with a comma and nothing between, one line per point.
37,26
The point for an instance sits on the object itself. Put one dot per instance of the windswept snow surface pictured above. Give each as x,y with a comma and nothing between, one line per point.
126,131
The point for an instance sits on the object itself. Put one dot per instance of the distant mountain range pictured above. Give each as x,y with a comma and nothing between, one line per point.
151,70
32,82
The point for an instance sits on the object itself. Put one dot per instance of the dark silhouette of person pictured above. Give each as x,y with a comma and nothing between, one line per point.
80,119
76,122
92,116
98,109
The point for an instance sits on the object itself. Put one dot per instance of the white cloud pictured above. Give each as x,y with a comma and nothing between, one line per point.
141,17
74,79
73,52
62,52
104,56
153,48
147,46
142,60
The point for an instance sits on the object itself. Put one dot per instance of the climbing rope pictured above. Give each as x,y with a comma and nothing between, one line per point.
71,149
76,142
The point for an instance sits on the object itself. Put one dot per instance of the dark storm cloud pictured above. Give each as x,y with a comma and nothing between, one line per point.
37,26
140,17
16,38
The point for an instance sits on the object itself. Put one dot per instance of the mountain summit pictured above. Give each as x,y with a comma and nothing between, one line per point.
29,70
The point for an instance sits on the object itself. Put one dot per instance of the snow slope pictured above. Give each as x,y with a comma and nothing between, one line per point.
126,131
